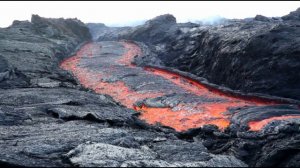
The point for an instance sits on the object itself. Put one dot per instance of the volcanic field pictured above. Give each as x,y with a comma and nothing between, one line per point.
168,98
161,94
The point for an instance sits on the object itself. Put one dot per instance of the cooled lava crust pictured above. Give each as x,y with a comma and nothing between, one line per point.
164,97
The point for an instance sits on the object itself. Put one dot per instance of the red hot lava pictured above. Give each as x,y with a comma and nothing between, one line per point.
182,117
93,80
201,113
258,125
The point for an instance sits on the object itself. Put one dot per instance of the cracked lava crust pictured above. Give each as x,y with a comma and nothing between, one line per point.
160,96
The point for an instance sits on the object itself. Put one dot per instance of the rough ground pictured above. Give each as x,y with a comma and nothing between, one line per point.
258,55
48,119
165,98
247,59
142,102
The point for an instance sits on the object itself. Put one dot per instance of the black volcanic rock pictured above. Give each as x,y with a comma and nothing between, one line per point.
154,30
68,127
101,32
61,27
259,55
32,50
48,120
261,18
295,15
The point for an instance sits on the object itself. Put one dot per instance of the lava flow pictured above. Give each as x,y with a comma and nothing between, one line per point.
106,68
258,125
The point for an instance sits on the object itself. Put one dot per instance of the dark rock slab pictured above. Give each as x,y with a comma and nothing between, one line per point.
33,50
99,154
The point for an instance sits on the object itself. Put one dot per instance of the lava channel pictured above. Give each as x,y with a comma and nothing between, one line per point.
183,116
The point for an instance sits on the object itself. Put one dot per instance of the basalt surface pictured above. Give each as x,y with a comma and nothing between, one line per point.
48,118
242,125
240,76
256,55
67,101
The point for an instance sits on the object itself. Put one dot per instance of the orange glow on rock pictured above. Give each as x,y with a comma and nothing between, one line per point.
93,80
181,117
258,125
200,89
132,51
203,113
182,120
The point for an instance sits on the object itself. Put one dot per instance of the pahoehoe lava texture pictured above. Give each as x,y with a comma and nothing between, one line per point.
159,94
252,55
170,100
162,97
48,119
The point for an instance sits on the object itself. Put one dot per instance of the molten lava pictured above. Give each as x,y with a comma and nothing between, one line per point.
181,117
182,120
201,89
93,80
132,51
258,125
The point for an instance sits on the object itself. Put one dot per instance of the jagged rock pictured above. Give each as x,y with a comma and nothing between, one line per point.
258,56
219,161
154,30
61,27
102,32
261,113
127,142
34,132
48,119
104,155
180,151
11,116
114,115
107,155
261,55
261,18
22,59
295,15
45,83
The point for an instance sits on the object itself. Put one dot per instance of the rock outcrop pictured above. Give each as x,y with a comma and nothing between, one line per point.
257,55
47,119
102,32
50,118
100,155
30,52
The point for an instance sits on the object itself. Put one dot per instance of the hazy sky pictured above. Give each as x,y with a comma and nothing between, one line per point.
125,13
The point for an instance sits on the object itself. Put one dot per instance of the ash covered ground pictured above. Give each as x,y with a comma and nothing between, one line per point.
161,94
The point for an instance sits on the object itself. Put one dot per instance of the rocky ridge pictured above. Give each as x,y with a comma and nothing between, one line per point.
258,55
48,119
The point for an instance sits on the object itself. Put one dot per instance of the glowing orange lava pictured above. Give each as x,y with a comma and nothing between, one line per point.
93,80
258,125
202,113
132,51
182,117
200,89
182,120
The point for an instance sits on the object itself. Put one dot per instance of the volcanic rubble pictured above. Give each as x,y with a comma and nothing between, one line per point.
253,58
48,119
67,101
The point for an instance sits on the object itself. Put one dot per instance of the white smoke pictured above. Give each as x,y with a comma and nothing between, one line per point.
212,20
126,23
116,13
